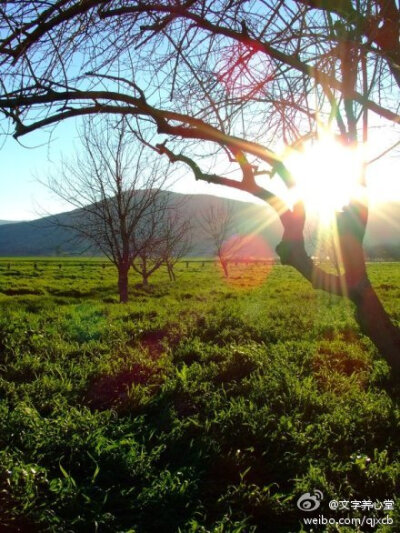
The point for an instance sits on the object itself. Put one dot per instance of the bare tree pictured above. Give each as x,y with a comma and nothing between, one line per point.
114,186
223,80
217,222
177,241
161,238
147,241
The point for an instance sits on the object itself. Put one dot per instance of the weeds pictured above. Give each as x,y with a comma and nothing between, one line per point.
198,407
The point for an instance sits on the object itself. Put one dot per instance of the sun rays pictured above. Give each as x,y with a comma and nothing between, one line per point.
328,175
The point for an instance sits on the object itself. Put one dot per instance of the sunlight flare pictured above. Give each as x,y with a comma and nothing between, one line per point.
327,175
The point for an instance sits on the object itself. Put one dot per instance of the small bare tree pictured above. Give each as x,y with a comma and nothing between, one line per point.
161,238
218,224
114,186
146,241
177,242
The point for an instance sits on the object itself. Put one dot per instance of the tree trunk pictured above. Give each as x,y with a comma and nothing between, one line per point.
123,283
224,265
370,315
171,272
145,272
376,324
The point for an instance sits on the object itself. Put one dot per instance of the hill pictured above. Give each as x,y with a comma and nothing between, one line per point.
44,237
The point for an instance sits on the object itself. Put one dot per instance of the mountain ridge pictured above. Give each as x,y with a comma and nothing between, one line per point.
43,237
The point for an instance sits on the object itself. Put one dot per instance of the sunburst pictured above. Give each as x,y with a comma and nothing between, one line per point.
327,175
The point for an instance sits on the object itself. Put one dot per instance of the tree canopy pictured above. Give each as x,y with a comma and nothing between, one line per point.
238,75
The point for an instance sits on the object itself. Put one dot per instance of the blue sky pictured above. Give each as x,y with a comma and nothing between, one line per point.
24,162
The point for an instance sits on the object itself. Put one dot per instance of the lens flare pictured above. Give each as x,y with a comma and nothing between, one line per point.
248,261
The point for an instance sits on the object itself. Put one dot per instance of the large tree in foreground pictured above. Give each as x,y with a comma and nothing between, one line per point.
114,189
223,83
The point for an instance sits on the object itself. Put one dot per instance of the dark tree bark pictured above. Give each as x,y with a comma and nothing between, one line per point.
370,314
369,311
123,272
376,324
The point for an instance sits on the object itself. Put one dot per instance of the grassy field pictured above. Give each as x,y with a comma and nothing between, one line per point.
203,405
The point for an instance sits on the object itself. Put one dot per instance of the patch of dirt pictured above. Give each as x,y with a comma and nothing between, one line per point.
107,391
339,362
152,341
20,291
70,293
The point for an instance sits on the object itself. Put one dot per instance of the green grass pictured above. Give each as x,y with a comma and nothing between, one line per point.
202,405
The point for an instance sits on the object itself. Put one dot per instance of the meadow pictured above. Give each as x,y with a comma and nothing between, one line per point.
202,405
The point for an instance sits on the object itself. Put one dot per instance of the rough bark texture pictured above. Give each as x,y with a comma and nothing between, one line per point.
123,283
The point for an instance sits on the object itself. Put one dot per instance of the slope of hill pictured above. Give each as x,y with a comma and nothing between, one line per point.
44,237
38,237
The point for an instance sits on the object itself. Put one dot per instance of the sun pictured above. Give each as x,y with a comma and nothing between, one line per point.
327,176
